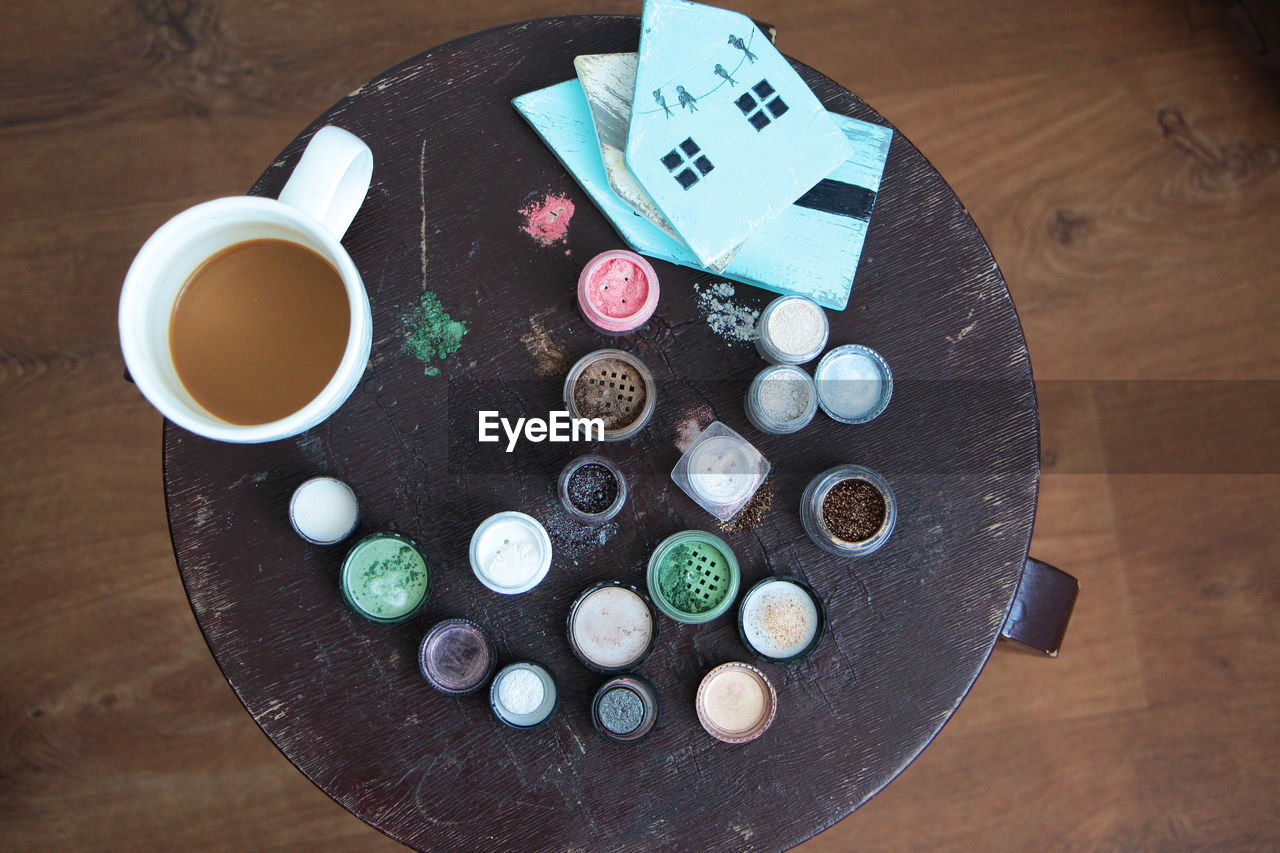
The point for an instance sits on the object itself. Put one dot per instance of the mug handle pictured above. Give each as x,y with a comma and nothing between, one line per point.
332,178
1041,607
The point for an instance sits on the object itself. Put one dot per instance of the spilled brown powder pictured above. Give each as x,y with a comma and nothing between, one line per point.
550,359
753,514
692,422
853,510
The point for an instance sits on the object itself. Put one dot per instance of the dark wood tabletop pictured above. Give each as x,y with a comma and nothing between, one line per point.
910,626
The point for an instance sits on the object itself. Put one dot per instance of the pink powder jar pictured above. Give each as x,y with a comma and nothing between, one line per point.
617,292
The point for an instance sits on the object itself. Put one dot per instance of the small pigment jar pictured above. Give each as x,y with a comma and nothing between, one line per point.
781,399
625,709
385,577
612,627
854,384
617,292
613,386
693,576
456,657
848,511
781,619
721,471
324,511
736,703
523,694
592,489
791,330
510,552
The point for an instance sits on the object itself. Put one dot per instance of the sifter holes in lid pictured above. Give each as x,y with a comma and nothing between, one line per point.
613,386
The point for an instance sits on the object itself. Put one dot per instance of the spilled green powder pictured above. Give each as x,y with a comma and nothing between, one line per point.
431,333
686,582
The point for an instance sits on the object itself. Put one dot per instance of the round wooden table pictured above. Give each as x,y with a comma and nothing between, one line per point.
910,626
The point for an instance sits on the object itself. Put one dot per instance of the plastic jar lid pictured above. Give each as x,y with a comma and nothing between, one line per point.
510,552
854,384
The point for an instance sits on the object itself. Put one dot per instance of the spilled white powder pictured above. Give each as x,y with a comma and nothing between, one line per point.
795,327
521,692
784,399
731,321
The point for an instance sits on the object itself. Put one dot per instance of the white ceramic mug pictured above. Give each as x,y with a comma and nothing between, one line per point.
315,207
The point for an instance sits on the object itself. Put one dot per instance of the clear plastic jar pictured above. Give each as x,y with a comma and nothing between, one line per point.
854,384
614,386
578,498
781,399
851,508
792,330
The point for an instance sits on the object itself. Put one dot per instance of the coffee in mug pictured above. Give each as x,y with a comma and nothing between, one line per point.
259,330
244,319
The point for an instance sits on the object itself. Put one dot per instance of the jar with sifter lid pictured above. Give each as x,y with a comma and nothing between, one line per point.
615,387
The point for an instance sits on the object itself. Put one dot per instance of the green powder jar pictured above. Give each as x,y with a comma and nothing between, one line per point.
386,577
693,576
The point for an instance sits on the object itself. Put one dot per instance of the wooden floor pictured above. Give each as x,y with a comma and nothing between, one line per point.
1121,158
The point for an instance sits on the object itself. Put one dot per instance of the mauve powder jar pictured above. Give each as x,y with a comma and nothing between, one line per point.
456,657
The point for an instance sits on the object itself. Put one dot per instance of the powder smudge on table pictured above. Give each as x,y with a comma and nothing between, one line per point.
430,333
547,221
550,358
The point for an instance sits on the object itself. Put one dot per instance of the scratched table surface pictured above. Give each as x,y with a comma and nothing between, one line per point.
910,627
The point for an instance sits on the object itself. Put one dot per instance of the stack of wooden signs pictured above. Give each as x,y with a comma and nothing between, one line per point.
707,149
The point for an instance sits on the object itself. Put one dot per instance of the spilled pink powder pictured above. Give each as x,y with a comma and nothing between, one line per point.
618,288
547,221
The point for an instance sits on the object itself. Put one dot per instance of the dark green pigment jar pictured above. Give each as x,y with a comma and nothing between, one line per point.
693,576
386,577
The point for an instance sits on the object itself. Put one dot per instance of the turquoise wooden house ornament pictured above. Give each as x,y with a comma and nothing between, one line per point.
608,79
723,135
811,248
